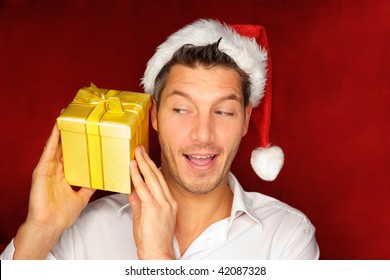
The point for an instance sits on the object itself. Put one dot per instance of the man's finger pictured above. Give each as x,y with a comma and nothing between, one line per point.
138,183
158,175
52,144
150,176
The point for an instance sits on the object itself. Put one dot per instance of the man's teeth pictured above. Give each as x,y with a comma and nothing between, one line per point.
201,157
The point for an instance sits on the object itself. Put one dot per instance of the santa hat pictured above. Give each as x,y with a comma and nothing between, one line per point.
248,46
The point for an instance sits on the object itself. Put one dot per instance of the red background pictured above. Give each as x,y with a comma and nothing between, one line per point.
331,98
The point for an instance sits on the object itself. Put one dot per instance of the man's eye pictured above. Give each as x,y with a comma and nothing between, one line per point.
224,113
179,110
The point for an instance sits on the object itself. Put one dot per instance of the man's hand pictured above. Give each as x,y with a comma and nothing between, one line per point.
53,204
154,209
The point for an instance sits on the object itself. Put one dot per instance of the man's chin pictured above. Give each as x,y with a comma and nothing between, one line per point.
201,183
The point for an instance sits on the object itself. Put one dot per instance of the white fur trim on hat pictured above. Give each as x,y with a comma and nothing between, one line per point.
248,55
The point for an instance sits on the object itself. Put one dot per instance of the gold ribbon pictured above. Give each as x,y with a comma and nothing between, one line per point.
93,95
109,102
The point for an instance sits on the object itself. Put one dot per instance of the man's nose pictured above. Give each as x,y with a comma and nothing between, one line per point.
203,129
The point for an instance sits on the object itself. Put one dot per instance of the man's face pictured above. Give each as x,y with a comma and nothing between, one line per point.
200,122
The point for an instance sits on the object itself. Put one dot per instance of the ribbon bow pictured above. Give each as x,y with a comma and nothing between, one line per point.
93,95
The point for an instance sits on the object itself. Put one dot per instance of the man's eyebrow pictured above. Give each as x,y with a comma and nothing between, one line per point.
179,93
232,96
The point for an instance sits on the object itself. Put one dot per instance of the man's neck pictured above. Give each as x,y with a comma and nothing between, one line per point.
196,212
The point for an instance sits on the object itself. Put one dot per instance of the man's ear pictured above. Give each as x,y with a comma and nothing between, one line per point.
153,114
248,112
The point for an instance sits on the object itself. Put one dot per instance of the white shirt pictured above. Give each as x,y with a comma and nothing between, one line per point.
260,227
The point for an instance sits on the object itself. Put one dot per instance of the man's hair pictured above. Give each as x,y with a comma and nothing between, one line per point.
208,56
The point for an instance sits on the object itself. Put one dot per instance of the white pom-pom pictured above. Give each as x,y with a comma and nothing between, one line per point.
267,162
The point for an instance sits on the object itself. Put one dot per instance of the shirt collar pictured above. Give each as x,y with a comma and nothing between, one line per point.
241,203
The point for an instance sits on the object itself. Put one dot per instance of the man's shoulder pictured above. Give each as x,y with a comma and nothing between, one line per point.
100,231
107,205
267,207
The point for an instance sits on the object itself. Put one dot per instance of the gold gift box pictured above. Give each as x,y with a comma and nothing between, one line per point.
99,132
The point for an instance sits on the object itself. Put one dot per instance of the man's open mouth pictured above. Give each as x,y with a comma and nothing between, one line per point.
200,160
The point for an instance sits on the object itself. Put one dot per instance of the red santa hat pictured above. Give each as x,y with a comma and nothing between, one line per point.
248,46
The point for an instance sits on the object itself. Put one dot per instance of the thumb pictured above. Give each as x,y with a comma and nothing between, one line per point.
86,194
135,203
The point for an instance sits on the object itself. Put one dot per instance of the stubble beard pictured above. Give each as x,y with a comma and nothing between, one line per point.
202,183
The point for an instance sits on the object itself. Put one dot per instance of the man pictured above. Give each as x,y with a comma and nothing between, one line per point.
193,207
